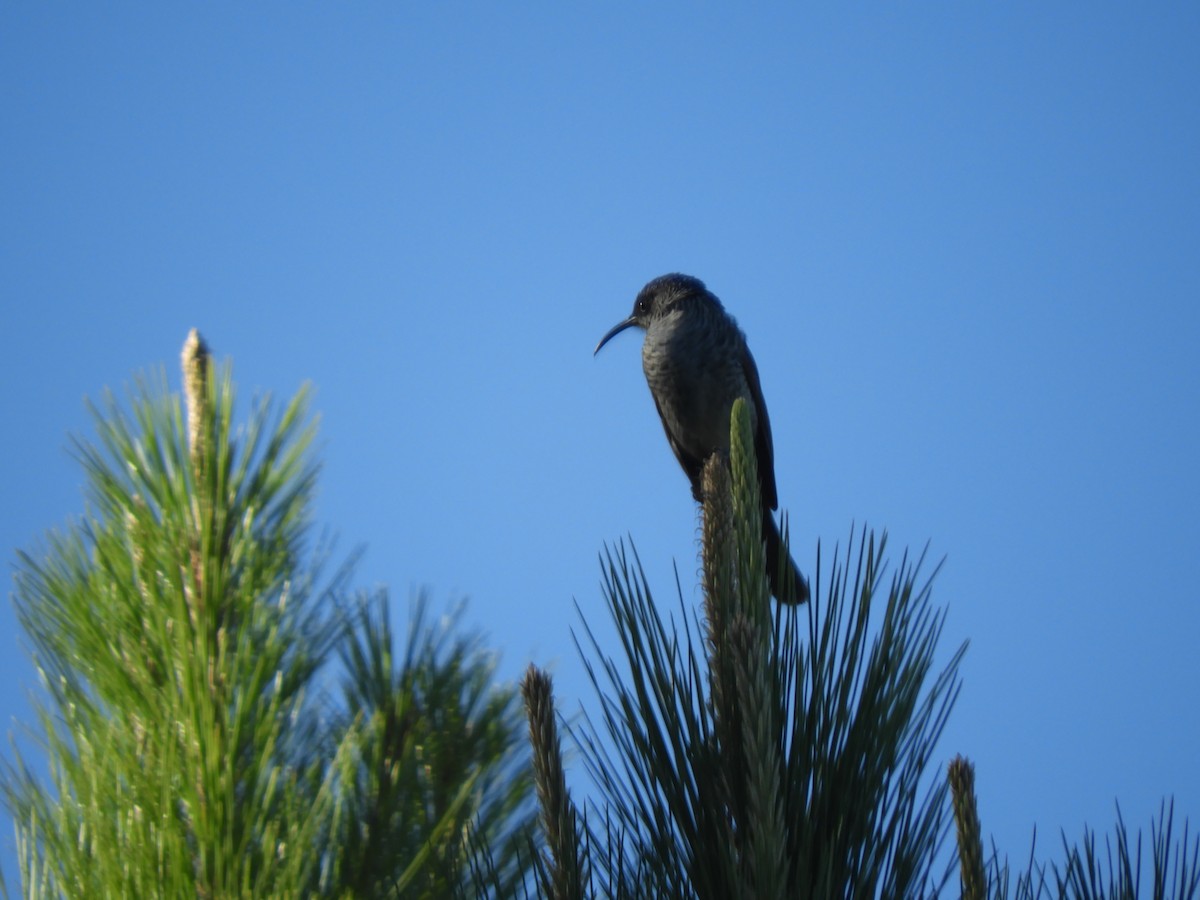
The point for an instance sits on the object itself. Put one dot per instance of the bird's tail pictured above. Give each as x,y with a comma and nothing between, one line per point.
787,584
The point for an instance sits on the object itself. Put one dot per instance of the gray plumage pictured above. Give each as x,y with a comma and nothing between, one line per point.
697,363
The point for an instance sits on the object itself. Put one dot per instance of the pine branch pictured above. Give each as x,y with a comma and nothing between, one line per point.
179,628
746,755
558,813
966,819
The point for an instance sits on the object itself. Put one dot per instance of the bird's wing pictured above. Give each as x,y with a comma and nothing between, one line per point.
763,447
692,466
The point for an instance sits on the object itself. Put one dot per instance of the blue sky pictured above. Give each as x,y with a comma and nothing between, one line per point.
963,241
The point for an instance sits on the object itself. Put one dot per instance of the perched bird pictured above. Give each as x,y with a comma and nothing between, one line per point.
697,363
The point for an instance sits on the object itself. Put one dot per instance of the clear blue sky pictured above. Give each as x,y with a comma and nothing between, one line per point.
963,240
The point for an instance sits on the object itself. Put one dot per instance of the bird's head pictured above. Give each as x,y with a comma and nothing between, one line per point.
659,298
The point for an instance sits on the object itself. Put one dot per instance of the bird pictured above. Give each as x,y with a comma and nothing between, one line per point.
697,363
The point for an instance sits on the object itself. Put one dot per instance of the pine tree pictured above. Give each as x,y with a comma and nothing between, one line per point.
188,645
758,751
1085,874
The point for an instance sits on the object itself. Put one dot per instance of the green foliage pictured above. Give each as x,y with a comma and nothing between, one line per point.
759,753
1114,874
431,764
181,629
973,878
561,872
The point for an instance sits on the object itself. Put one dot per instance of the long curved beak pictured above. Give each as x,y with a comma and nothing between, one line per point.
617,329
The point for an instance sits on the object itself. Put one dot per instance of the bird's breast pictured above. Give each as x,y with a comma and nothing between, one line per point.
694,375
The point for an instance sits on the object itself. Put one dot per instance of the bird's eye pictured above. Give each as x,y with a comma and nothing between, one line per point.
643,305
